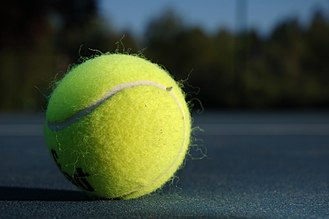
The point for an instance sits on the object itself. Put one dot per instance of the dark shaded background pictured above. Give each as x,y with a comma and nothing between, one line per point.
40,39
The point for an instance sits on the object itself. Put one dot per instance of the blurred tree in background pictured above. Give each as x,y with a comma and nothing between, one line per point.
288,68
40,39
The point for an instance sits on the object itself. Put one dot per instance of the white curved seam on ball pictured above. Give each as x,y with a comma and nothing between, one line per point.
58,126
137,189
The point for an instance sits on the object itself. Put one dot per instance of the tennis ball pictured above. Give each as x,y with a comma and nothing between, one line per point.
118,126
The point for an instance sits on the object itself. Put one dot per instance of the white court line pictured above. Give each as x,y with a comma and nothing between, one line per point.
208,129
264,129
21,129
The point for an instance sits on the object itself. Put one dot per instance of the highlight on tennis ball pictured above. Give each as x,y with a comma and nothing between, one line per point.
118,126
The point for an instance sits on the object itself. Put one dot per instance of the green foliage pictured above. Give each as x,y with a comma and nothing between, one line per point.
286,69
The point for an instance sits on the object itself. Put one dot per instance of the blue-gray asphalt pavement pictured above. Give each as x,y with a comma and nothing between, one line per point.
244,165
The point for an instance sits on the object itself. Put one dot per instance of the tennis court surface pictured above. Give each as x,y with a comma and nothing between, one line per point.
245,165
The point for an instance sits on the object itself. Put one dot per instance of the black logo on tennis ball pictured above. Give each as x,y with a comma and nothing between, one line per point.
79,177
